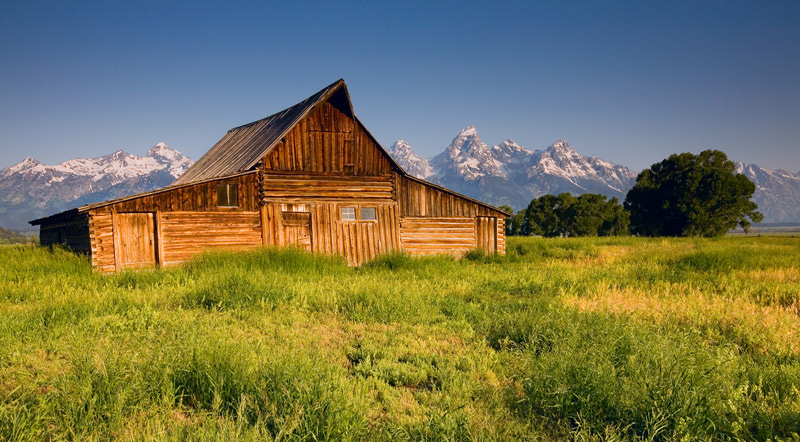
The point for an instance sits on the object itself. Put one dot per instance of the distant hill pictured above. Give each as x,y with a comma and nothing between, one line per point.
11,237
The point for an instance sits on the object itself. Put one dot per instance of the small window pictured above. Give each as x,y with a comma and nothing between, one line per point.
348,213
227,195
368,213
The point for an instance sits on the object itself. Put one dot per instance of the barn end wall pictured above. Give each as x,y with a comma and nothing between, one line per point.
436,221
72,232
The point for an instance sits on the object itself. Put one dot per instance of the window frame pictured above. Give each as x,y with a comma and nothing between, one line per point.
341,213
228,187
357,213
374,213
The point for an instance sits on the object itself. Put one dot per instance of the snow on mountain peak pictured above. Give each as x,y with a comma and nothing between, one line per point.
400,146
28,165
467,131
561,145
414,164
468,156
161,149
167,155
115,167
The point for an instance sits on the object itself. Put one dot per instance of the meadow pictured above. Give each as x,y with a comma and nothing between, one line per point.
562,339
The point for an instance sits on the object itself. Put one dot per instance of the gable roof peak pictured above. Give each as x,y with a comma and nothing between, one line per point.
243,146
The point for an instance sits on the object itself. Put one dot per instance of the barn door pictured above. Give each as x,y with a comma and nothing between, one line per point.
297,229
486,233
136,235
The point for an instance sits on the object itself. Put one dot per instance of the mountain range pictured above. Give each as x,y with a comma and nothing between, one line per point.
31,189
504,174
509,174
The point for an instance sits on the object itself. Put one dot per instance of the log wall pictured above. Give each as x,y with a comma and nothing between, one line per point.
185,234
102,237
430,235
328,141
501,236
316,187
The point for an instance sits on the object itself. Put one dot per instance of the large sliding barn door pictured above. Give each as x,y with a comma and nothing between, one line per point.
297,229
486,233
136,240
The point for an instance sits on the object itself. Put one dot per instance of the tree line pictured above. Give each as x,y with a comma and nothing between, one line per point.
683,195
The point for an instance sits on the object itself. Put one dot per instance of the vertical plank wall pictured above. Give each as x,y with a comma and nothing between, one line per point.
328,141
357,240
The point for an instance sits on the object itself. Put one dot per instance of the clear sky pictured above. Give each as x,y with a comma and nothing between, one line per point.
631,82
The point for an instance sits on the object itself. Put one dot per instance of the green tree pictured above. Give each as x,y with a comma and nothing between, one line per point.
691,195
616,220
566,215
542,217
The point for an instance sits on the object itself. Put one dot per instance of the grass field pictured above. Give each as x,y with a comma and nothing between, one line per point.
580,339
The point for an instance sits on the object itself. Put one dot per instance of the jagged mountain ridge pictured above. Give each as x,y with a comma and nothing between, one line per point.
31,189
777,192
510,174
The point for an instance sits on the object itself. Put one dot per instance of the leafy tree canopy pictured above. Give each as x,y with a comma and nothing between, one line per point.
691,195
566,215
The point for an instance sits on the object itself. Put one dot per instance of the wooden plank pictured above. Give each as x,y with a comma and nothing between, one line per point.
159,239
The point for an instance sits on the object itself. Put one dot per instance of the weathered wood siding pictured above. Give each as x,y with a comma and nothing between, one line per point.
501,236
420,199
185,234
73,233
325,162
434,235
101,233
317,187
195,197
328,141
357,240
135,240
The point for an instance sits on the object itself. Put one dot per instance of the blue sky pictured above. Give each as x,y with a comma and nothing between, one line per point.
631,82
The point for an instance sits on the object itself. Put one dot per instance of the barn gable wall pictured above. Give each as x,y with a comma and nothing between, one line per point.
328,141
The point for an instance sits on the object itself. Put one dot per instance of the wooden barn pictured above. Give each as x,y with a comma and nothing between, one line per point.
310,176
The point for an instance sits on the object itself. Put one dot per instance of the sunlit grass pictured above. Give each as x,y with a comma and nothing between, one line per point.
602,338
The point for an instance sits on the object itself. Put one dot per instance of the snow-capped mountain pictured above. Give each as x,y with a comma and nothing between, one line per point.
559,168
408,160
777,192
467,157
31,189
511,174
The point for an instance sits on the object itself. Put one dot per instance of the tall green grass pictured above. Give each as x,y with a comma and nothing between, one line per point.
584,339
